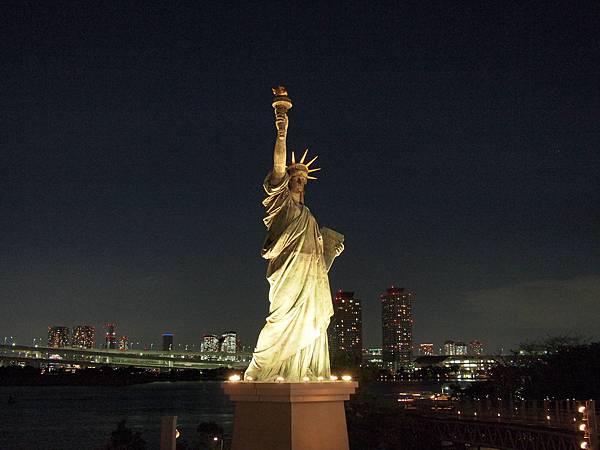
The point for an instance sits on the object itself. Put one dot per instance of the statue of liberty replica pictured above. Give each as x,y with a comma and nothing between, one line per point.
293,343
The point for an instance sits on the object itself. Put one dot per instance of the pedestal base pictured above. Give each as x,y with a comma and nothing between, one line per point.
290,416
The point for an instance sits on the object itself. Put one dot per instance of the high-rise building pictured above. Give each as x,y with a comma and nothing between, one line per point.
397,322
210,343
449,347
455,348
110,335
167,342
58,337
84,336
229,342
426,349
475,347
461,348
345,330
123,343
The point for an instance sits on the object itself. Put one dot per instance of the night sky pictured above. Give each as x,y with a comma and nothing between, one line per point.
459,144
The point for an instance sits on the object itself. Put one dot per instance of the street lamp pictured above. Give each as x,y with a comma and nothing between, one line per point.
216,439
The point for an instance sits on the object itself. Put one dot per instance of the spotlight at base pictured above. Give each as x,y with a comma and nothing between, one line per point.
234,378
333,378
346,378
279,379
305,379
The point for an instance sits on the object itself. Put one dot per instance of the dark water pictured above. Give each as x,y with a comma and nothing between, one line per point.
83,417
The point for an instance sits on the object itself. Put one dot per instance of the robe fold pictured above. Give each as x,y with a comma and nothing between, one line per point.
293,342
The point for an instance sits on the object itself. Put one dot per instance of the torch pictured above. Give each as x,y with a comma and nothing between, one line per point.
281,103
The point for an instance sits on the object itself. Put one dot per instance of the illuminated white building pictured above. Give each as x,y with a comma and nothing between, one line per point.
373,356
460,348
229,342
462,367
210,343
455,348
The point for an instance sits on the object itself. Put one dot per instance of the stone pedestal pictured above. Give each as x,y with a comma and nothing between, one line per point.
290,416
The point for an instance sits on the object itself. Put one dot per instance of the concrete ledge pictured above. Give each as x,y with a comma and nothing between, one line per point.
316,391
290,416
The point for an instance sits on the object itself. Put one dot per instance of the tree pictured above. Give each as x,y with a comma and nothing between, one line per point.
564,371
124,438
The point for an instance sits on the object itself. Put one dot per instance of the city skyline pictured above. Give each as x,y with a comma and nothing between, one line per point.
84,335
440,349
458,145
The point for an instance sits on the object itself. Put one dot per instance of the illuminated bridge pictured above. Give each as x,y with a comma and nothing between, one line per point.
38,356
556,425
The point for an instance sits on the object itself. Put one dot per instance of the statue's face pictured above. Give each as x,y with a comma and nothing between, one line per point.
297,184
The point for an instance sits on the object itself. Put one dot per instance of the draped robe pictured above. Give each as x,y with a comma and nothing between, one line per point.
293,341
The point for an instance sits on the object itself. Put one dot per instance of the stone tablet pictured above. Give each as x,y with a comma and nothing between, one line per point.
331,239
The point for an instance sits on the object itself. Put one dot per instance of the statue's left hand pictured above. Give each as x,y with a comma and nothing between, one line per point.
339,249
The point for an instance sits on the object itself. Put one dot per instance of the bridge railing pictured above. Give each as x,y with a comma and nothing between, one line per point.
553,413
578,417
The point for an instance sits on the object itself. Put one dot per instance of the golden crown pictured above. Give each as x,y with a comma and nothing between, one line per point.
301,166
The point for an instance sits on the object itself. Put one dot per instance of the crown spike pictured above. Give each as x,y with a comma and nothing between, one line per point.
303,156
303,167
311,161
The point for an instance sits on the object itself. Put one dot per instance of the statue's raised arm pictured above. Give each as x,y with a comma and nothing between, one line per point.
281,104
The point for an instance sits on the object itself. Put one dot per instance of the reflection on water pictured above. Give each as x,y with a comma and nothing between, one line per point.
82,417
